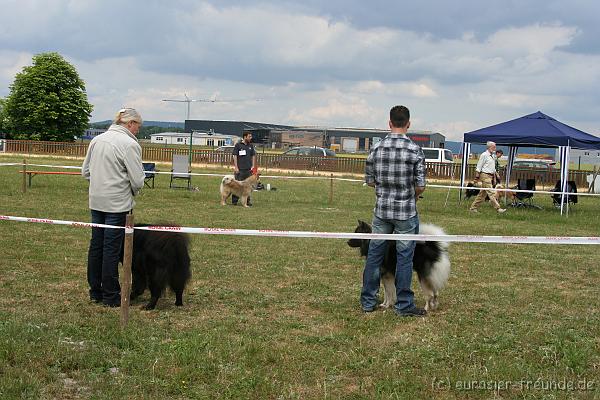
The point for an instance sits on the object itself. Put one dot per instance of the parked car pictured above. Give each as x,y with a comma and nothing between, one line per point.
309,151
227,148
437,155
533,163
306,158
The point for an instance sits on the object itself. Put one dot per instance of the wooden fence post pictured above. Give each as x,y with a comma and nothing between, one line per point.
24,189
593,182
127,256
331,190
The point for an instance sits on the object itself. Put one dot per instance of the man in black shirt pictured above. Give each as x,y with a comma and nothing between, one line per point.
244,161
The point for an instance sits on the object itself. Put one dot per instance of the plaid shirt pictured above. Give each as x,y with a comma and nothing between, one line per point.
396,165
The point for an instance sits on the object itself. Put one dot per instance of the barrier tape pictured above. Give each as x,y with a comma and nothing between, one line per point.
344,180
331,235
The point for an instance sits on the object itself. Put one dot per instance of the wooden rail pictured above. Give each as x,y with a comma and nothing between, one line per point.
544,177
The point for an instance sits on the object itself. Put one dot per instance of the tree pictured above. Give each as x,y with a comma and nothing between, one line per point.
2,102
47,101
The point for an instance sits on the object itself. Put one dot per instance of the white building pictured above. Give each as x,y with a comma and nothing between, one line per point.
91,133
580,157
198,138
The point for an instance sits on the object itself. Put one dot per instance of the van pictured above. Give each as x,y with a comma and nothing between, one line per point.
437,155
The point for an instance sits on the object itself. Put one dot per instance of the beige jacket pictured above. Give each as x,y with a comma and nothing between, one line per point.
113,165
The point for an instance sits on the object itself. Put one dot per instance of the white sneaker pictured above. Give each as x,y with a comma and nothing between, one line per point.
473,210
501,210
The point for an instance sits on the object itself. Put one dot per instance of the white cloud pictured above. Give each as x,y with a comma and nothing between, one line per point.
536,39
11,63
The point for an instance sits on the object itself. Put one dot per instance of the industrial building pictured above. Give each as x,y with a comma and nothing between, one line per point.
284,136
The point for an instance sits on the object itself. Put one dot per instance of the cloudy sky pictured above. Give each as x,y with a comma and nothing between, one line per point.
458,65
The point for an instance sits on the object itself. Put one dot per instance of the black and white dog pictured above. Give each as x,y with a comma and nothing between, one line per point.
430,261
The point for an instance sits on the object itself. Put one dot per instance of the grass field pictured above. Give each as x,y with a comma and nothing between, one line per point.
278,318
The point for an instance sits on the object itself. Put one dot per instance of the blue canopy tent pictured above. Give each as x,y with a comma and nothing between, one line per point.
533,130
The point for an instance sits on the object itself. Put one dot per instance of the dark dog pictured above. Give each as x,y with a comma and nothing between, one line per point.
474,192
471,192
159,259
430,261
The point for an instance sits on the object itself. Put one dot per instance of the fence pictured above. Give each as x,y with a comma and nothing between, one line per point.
545,177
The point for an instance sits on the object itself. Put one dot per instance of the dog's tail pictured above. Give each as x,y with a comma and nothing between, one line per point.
441,268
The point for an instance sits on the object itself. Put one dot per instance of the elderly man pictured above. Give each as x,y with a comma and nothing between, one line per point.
486,172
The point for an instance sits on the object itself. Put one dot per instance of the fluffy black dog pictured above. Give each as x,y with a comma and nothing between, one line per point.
159,259
430,261
471,192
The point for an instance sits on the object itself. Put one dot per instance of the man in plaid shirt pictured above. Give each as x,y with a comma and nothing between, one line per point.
396,168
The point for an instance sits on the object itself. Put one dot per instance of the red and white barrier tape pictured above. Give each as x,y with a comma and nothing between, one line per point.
341,179
331,235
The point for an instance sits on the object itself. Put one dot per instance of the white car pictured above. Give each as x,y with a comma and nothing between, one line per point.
437,155
227,148
533,163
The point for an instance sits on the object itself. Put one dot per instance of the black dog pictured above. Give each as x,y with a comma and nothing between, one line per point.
159,259
471,192
430,261
474,192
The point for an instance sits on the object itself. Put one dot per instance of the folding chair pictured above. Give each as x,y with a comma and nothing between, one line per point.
150,171
181,170
570,199
525,199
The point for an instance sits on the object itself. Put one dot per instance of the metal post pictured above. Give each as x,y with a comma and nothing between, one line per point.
191,149
24,189
127,257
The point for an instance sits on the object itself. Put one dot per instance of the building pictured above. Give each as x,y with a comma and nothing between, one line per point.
283,136
260,131
581,157
198,138
91,133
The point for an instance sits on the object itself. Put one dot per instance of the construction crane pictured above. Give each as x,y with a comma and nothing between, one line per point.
211,100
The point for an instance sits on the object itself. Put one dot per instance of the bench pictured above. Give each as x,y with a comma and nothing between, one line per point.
30,174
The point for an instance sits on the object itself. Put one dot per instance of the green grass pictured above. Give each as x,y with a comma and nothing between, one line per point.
279,318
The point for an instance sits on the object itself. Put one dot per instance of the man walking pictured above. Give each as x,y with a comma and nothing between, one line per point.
396,168
244,161
486,172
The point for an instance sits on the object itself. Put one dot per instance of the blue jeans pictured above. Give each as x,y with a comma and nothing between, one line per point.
404,266
104,256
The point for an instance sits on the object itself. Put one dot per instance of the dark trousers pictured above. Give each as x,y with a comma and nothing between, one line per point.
240,176
104,256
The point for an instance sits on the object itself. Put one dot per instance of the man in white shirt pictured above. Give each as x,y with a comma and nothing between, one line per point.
485,172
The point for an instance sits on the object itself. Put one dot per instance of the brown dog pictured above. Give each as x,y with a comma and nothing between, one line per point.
241,189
